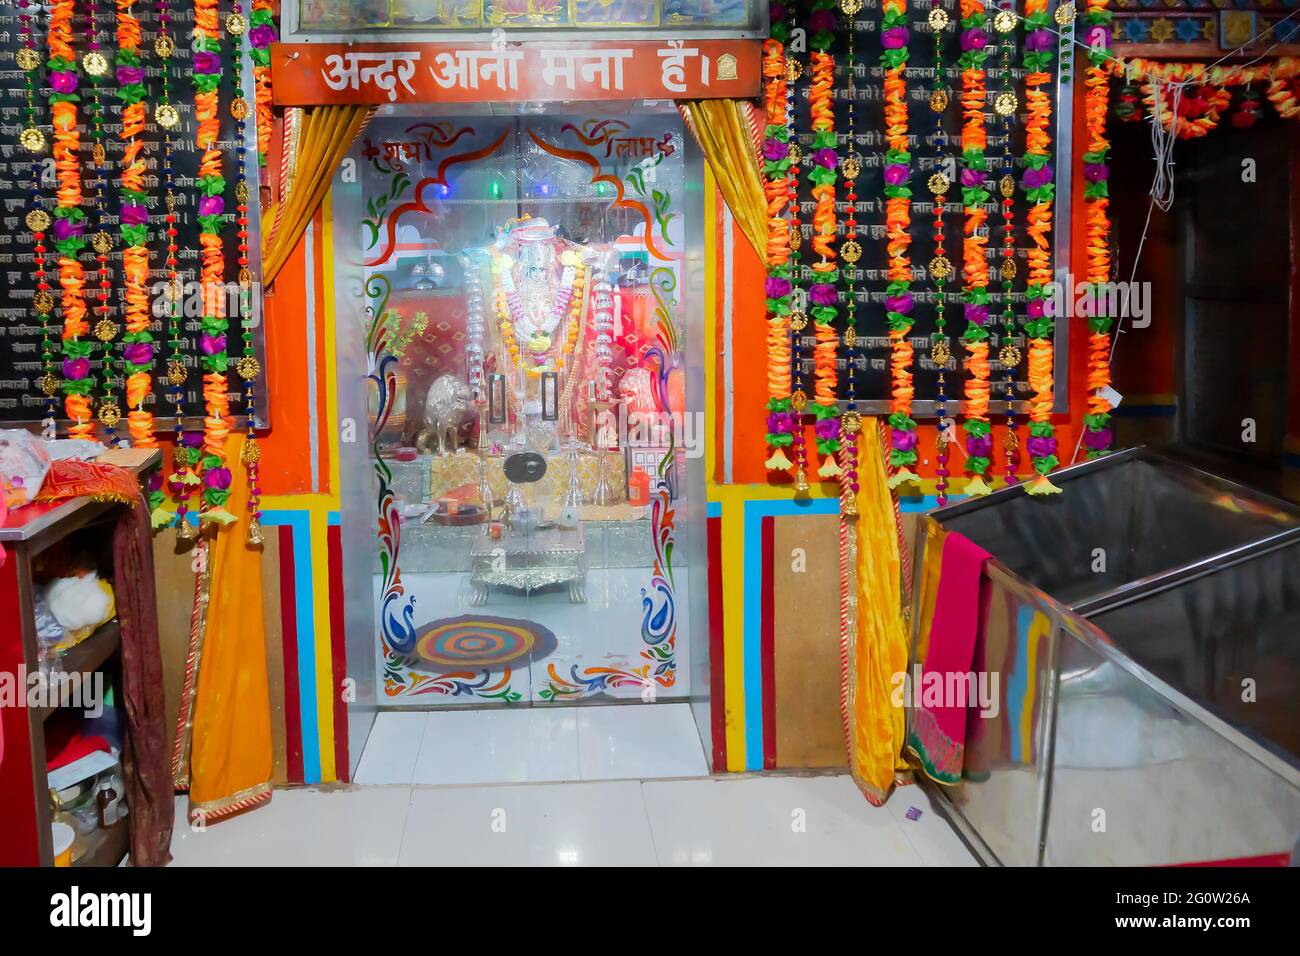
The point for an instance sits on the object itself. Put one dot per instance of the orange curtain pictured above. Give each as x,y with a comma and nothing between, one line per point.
323,135
223,751
878,638
729,133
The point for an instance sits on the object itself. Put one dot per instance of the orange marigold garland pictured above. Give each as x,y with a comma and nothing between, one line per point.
1097,435
776,171
823,294
261,34
211,185
69,221
137,343
975,268
1039,194
894,37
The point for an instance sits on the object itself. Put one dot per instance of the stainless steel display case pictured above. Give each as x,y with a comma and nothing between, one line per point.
1143,624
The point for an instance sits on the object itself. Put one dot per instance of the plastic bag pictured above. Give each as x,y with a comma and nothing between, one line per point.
24,463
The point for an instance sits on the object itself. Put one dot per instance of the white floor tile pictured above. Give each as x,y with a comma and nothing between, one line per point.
513,745
308,827
639,741
392,748
929,833
575,824
770,821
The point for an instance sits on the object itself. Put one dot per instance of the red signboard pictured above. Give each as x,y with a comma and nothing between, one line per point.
305,74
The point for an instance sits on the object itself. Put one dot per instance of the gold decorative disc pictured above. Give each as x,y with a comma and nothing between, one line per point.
1004,22
1009,268
798,321
43,302
106,330
247,368
850,337
1007,185
38,220
110,414
171,202
940,354
795,155
850,7
799,400
252,452
101,242
850,251
796,239
163,45
32,139
236,25
239,108
850,423
176,372
938,100
793,70
241,191
27,59
245,276
1064,13
1009,356
1010,442
938,184
1005,104
167,116
850,167
938,19
49,383
940,267
97,154
95,64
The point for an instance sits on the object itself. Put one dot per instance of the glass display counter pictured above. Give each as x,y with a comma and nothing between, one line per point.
519,310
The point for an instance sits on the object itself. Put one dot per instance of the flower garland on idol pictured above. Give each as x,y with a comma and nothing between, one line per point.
894,37
776,171
211,184
1096,421
69,221
823,294
1039,194
137,343
975,268
33,140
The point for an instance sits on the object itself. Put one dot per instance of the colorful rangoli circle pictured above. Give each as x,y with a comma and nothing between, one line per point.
482,642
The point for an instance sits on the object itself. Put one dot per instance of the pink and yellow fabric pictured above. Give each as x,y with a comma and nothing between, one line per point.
951,617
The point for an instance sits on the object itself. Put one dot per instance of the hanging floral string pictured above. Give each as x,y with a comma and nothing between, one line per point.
69,221
1205,91
940,267
894,39
33,140
798,299
851,253
247,366
211,185
137,343
1039,194
975,268
1097,434
776,171
1005,105
261,35
823,294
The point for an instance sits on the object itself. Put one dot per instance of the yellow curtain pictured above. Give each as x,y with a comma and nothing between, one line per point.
325,136
879,638
729,132
230,757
